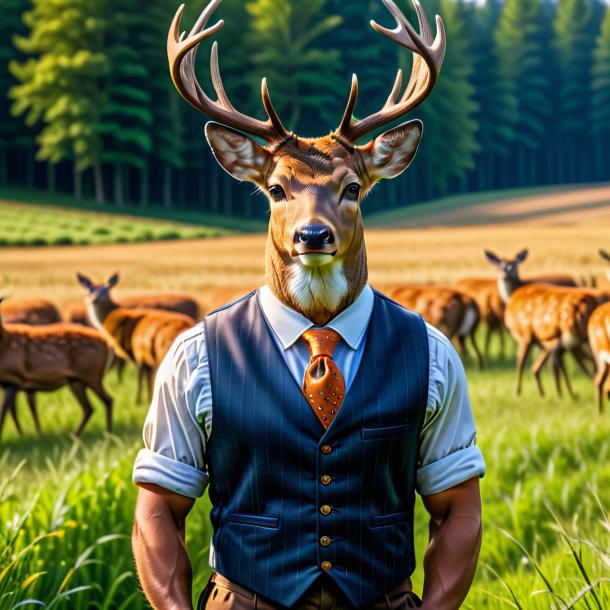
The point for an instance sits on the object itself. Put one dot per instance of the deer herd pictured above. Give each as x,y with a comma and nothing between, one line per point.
39,352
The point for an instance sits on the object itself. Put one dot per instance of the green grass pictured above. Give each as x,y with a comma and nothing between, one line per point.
34,225
66,514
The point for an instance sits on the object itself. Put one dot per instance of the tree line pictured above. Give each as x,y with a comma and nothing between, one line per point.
88,106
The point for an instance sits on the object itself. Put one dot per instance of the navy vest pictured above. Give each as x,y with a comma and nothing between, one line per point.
270,461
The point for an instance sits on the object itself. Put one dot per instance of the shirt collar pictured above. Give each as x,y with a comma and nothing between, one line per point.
289,324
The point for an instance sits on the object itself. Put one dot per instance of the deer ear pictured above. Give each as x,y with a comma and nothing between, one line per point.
84,281
238,154
604,255
113,281
521,256
492,258
390,153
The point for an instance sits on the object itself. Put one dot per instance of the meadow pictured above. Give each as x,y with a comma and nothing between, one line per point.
30,225
66,504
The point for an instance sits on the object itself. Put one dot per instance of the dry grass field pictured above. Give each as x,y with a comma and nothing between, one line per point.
436,255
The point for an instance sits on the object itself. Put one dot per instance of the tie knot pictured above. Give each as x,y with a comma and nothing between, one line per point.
321,342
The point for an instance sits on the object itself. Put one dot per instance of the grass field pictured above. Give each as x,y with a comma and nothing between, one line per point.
68,509
66,512
32,225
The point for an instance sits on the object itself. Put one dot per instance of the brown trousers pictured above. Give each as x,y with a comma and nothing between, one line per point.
222,594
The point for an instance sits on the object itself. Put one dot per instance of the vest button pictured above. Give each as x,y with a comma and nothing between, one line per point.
326,449
326,566
325,509
325,541
325,479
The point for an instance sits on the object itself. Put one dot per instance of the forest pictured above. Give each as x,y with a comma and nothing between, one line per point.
88,108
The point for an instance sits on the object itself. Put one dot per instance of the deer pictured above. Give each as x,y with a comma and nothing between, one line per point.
179,303
598,331
491,307
316,259
454,313
139,335
43,358
315,265
552,316
30,311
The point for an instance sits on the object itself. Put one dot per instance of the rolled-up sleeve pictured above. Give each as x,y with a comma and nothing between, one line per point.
174,436
448,453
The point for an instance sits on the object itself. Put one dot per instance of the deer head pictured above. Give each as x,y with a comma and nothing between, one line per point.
98,299
315,259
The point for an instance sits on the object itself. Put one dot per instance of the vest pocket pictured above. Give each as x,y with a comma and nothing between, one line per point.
374,434
256,520
390,519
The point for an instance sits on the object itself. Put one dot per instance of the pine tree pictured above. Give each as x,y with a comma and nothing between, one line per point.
303,78
574,37
14,136
449,141
600,99
521,61
127,117
61,83
494,93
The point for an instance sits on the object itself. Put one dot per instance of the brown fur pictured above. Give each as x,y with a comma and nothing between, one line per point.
44,358
554,317
77,312
453,312
30,311
314,174
598,331
491,306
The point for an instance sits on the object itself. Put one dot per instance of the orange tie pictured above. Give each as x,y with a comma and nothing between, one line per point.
323,387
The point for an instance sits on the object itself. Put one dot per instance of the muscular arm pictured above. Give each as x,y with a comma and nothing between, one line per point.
455,539
159,547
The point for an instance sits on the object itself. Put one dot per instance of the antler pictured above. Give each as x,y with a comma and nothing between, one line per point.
428,55
181,53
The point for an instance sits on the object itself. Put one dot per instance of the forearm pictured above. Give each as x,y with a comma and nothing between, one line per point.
161,558
450,561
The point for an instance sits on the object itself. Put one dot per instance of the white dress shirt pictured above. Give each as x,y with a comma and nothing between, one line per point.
180,419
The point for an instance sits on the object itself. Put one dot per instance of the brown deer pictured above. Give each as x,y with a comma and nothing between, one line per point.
47,357
316,260
491,307
454,313
552,316
30,311
180,303
142,336
599,337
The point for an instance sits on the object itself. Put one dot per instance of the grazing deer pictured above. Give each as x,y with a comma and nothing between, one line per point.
491,307
30,311
454,313
599,337
552,316
47,357
142,336
179,303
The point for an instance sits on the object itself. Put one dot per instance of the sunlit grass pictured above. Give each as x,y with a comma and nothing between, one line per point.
32,225
67,512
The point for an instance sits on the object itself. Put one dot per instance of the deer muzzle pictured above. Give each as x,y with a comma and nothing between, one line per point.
314,244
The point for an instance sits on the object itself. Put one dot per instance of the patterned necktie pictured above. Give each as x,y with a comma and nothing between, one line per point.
324,386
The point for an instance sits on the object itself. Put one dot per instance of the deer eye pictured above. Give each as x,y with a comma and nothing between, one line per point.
277,193
352,192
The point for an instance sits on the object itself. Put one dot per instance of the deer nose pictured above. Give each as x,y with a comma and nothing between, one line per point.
315,236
